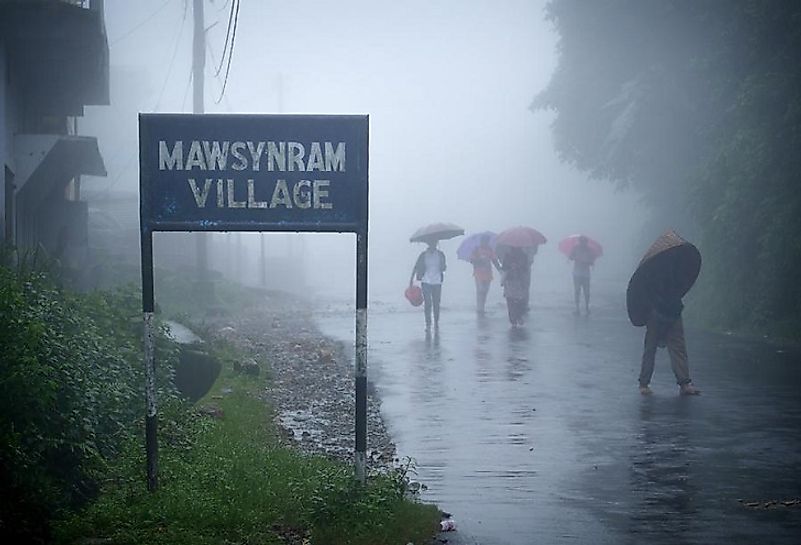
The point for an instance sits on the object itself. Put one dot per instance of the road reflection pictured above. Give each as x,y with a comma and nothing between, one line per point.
660,467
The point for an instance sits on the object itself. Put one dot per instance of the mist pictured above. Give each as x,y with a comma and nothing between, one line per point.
452,137
645,388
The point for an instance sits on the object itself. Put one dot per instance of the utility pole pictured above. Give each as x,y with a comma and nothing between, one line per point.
198,107
263,240
263,236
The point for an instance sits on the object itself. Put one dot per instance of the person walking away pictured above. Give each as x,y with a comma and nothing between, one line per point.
516,277
430,271
483,259
665,328
529,252
583,259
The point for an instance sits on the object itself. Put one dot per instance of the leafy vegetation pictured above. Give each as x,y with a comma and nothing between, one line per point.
70,395
226,479
72,453
697,106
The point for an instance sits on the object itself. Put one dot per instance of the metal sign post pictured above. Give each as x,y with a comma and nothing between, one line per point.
302,173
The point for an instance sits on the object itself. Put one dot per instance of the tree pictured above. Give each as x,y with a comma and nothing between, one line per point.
697,106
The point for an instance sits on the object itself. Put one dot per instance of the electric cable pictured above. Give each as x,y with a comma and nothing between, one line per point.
227,39
230,53
140,25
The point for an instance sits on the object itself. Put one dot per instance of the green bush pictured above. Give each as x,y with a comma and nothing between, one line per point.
227,479
71,392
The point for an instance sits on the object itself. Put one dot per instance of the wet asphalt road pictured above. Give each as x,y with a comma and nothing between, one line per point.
539,435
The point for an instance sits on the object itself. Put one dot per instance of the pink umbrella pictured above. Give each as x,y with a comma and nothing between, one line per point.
568,244
520,237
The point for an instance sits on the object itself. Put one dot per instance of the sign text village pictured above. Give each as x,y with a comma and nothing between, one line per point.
230,174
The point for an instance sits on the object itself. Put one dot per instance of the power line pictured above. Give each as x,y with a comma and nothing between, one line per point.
186,91
133,154
172,62
230,53
140,25
227,38
217,78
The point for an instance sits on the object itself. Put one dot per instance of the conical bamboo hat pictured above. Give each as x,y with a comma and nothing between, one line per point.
669,251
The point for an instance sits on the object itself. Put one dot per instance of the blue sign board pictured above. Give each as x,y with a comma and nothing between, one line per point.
253,172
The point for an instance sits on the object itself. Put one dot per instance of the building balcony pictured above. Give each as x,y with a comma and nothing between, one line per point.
57,54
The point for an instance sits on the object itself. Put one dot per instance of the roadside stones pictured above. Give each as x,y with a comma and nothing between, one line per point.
227,333
311,382
325,356
249,366
212,411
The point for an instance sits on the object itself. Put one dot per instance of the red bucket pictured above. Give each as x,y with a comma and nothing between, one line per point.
415,295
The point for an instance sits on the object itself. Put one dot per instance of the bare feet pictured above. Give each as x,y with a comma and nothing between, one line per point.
645,390
689,390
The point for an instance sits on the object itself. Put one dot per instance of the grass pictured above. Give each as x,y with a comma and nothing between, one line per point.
229,480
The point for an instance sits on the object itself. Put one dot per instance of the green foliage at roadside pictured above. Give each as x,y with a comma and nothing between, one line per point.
697,106
72,458
227,479
70,394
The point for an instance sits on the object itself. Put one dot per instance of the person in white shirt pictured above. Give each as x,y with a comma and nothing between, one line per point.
430,271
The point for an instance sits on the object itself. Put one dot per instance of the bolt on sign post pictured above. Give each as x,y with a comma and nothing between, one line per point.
302,173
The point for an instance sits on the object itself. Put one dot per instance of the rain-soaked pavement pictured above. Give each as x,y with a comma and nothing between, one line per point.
539,435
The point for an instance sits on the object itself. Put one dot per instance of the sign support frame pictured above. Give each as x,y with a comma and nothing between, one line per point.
357,226
360,363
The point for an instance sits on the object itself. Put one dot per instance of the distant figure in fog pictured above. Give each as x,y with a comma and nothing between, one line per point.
516,269
430,271
530,253
483,259
583,258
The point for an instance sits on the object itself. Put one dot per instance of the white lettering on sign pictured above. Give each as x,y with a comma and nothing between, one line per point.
171,160
320,194
252,202
276,156
281,195
216,154
315,158
232,202
246,155
335,159
241,162
303,199
200,195
255,153
195,157
303,194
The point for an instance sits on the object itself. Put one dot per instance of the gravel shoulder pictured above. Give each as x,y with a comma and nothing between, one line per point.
311,381
311,386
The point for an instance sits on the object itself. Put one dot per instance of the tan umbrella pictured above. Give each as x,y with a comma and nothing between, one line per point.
669,257
436,231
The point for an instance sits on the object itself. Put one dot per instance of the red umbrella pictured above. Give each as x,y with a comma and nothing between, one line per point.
567,245
520,237
436,231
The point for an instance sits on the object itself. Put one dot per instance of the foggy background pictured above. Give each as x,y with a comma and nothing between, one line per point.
452,138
